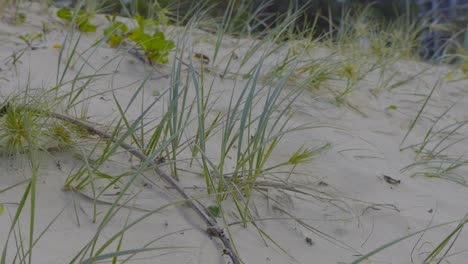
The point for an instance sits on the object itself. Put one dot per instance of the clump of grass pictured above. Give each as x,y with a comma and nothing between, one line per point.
366,42
317,76
363,30
250,132
433,151
20,121
18,125
24,130
63,135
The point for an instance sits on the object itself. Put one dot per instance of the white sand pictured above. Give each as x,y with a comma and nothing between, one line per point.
355,208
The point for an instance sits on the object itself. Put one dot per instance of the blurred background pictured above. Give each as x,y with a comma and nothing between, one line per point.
440,25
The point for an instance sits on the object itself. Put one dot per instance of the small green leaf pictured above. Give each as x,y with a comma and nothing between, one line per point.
115,40
64,14
117,28
170,45
152,22
121,26
81,19
86,26
116,33
140,20
214,210
20,19
28,38
1,209
393,107
136,35
104,175
111,19
163,60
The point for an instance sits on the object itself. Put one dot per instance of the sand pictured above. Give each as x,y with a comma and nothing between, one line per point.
348,205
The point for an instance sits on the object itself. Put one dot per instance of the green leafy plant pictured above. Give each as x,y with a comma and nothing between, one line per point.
29,38
19,18
81,19
155,46
116,32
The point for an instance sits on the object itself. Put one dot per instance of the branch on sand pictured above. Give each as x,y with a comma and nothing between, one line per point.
212,227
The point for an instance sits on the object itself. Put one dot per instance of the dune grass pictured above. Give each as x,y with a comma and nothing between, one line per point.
255,122
164,140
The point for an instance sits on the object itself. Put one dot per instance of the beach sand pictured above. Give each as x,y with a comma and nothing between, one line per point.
345,207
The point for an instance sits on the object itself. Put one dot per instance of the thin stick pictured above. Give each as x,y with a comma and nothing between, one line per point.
212,227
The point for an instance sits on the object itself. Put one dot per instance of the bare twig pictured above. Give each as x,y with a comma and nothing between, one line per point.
212,227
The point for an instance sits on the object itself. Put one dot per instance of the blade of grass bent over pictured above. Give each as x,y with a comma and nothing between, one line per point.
419,113
377,250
